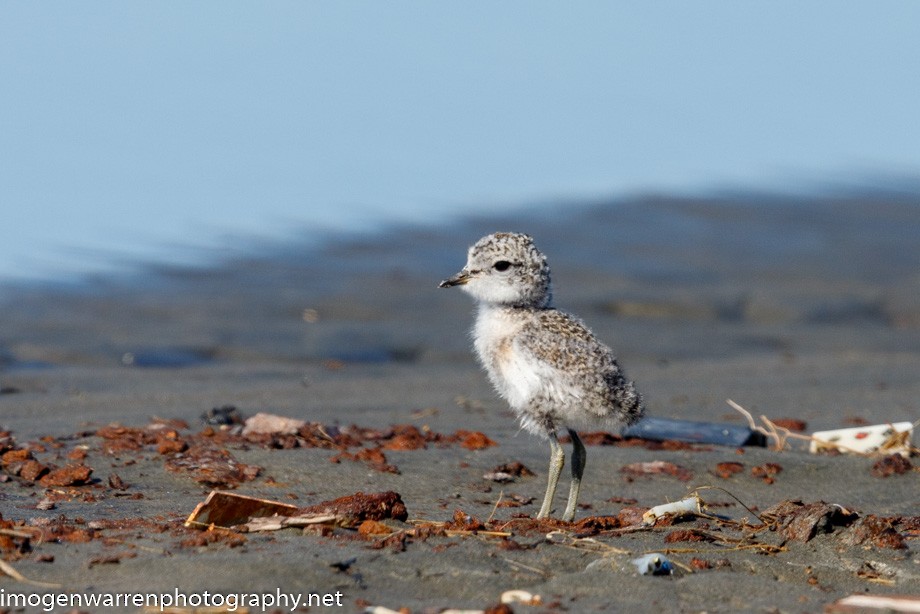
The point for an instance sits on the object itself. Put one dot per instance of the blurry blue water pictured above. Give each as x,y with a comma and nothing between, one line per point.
168,132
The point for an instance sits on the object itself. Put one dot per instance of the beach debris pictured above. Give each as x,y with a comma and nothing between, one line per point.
863,604
690,431
689,506
874,531
225,415
657,468
875,438
893,464
69,475
45,504
214,535
508,472
226,510
212,466
653,564
868,440
348,512
767,472
688,535
374,457
271,424
792,424
728,469
520,596
9,570
109,559
474,440
802,521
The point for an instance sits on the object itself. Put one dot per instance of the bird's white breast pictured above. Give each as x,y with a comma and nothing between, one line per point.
515,374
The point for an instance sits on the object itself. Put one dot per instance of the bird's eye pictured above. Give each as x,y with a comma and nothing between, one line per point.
501,265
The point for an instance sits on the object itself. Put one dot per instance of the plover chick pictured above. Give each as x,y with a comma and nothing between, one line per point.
545,363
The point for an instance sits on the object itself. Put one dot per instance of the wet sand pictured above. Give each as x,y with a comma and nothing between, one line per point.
805,309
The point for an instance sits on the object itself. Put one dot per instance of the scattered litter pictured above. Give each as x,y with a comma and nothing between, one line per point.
886,438
474,440
522,597
69,475
508,472
767,472
347,512
694,432
728,469
855,604
226,415
690,506
802,521
653,564
874,531
657,468
110,559
893,464
226,510
270,424
867,440
212,466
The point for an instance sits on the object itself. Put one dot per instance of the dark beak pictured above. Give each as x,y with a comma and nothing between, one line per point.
457,280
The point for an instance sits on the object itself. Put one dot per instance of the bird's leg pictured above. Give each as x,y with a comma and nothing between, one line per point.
556,461
578,469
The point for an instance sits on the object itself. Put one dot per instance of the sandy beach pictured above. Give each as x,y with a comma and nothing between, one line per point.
800,309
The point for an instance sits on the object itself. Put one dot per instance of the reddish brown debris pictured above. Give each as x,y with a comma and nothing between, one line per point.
69,475
77,454
406,437
501,608
700,564
212,466
727,470
802,521
31,470
793,424
593,525
464,522
894,464
474,440
766,472
657,468
224,537
687,535
373,527
372,456
507,472
355,509
109,559
631,516
116,482
603,438
874,531
598,438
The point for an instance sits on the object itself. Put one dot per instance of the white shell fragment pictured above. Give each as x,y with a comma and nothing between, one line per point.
653,564
685,507
523,597
884,438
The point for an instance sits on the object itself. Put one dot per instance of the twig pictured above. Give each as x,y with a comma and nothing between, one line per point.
501,493
709,487
781,434
535,570
11,572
